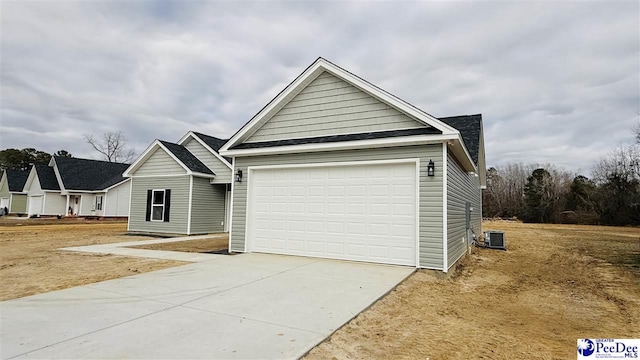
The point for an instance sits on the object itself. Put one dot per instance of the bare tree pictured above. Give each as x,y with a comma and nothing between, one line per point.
113,146
636,132
624,162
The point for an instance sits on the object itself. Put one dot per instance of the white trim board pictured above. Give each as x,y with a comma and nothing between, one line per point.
445,249
215,153
148,152
344,145
415,161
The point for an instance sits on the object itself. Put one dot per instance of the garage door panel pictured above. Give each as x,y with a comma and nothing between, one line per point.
362,213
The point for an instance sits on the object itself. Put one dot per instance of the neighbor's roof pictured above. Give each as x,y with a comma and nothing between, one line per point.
470,127
47,177
89,175
213,142
16,179
187,158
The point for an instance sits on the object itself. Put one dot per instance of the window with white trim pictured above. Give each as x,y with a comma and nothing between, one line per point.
99,202
157,205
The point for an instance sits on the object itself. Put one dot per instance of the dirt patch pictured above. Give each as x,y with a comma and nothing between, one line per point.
555,284
31,264
198,246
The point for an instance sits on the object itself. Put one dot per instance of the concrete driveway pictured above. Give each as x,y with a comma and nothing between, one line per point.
242,306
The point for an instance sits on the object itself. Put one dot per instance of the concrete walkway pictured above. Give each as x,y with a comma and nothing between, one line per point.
123,249
246,306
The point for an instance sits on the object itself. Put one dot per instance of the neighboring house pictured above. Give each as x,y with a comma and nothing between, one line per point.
181,188
11,195
335,167
43,192
78,187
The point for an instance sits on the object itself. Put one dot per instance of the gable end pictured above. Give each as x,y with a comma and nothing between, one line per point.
330,106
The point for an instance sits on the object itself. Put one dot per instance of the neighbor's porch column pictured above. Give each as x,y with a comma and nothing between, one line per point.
66,209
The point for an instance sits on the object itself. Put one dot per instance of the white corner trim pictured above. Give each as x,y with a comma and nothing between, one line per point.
104,206
344,145
231,204
417,185
190,205
313,71
445,250
130,202
247,212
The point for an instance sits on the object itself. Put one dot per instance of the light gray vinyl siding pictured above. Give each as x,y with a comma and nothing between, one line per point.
222,171
461,188
179,208
34,187
431,196
116,201
207,209
4,190
54,203
88,204
18,204
159,163
331,106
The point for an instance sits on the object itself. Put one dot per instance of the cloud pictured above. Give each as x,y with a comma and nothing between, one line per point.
555,82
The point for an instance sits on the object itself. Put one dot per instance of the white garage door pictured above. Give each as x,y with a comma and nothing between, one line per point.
35,205
361,212
4,202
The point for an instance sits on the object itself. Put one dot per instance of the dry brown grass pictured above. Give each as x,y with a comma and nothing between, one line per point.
555,284
30,262
198,246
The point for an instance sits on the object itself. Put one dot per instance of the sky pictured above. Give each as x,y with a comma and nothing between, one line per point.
555,82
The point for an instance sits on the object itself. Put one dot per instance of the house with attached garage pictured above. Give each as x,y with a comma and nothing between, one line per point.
180,188
335,167
78,187
11,195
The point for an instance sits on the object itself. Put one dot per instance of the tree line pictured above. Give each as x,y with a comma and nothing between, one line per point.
548,194
112,147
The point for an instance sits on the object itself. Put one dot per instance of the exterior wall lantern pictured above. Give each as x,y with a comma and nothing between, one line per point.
239,176
431,168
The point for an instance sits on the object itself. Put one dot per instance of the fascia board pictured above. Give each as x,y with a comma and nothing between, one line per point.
300,81
114,185
147,153
312,72
141,159
53,164
201,142
345,145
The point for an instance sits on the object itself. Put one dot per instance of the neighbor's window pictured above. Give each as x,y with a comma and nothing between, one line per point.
99,202
157,205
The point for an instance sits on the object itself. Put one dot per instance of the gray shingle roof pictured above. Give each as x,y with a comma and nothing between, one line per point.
339,138
187,158
16,179
89,175
469,127
213,142
47,177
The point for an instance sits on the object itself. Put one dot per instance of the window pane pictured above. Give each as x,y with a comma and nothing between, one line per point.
156,214
158,197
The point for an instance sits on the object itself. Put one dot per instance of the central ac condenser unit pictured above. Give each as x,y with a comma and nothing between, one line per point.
494,239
